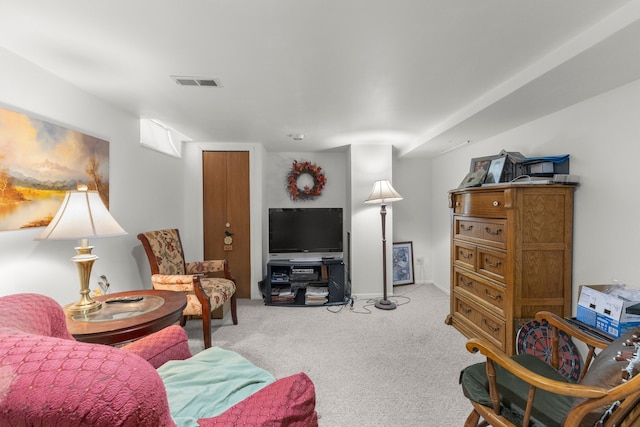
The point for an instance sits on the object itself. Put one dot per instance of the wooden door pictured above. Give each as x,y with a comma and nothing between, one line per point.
225,176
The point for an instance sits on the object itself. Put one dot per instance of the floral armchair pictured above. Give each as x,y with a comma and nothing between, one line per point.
49,379
169,271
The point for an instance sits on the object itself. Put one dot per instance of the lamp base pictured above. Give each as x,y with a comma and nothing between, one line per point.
84,260
83,307
385,304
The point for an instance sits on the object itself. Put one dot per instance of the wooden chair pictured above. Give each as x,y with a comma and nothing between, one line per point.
523,390
170,271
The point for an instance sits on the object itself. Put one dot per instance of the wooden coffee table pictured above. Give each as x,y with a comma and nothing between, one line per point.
117,323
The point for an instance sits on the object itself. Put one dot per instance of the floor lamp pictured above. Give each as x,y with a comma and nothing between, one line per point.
384,193
82,215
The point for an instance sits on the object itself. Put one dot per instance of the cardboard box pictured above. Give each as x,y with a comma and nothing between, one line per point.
600,307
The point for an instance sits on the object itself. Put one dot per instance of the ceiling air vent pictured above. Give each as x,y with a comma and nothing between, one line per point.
197,81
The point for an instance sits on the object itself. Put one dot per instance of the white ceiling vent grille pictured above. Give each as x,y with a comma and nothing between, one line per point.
197,81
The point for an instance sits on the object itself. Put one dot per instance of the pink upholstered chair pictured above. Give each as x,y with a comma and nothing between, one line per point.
49,379
169,271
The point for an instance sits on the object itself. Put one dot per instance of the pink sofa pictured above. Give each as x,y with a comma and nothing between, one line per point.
49,379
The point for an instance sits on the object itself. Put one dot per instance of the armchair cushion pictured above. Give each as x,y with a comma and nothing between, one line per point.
226,378
170,343
219,290
289,401
177,282
549,409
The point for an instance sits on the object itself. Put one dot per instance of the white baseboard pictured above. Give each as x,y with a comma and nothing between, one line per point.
398,288
444,289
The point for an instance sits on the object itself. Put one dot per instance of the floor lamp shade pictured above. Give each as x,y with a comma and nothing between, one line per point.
383,193
81,216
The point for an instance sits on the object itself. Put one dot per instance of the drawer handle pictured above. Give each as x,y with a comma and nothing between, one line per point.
493,297
466,255
493,233
468,228
496,265
496,203
489,327
469,283
464,310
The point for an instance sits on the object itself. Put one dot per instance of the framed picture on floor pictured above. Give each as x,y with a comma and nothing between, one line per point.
403,263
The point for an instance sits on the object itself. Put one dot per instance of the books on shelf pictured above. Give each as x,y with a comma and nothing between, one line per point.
284,294
313,295
316,295
317,290
314,301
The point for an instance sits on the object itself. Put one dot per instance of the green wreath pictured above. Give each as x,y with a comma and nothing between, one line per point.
305,193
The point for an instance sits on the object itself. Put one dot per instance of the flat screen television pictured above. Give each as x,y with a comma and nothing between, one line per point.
305,231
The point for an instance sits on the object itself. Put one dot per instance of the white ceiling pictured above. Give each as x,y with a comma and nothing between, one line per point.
424,75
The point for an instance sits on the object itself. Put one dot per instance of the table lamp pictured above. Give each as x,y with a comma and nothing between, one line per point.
82,215
383,193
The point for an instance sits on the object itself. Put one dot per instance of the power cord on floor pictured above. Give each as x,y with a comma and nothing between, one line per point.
372,302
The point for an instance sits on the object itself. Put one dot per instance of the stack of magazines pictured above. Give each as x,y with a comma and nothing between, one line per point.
316,295
285,294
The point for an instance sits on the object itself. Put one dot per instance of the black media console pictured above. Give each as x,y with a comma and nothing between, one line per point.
306,283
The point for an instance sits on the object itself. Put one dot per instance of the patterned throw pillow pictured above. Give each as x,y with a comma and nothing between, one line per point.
289,401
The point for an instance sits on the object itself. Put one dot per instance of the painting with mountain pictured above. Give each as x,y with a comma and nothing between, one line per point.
39,162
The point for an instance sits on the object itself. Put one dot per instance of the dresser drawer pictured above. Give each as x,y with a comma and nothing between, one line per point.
491,263
491,294
476,318
464,255
485,231
490,204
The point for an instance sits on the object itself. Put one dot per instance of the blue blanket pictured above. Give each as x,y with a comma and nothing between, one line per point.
209,383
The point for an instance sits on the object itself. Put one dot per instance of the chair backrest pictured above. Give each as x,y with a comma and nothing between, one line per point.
164,250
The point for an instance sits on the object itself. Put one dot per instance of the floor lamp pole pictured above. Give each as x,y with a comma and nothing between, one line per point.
384,303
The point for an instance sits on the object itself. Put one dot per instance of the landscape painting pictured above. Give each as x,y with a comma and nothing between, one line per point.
39,162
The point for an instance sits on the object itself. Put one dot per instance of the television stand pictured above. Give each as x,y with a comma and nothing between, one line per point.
306,282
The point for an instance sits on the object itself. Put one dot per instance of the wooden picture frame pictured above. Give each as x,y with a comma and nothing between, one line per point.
403,272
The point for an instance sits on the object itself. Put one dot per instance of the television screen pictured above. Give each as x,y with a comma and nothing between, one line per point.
304,230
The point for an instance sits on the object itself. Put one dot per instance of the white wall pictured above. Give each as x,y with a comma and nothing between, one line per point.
412,215
369,163
141,195
602,136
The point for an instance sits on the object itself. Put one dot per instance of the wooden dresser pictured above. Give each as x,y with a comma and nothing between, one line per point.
511,250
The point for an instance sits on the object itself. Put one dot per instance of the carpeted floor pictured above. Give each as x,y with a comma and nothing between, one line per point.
370,367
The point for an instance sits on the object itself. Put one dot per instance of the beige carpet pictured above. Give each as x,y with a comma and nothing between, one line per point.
370,367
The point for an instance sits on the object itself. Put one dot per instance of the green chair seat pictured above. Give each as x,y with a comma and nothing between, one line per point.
549,409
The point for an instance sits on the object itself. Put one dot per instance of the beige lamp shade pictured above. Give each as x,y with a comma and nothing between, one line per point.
82,215
383,192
